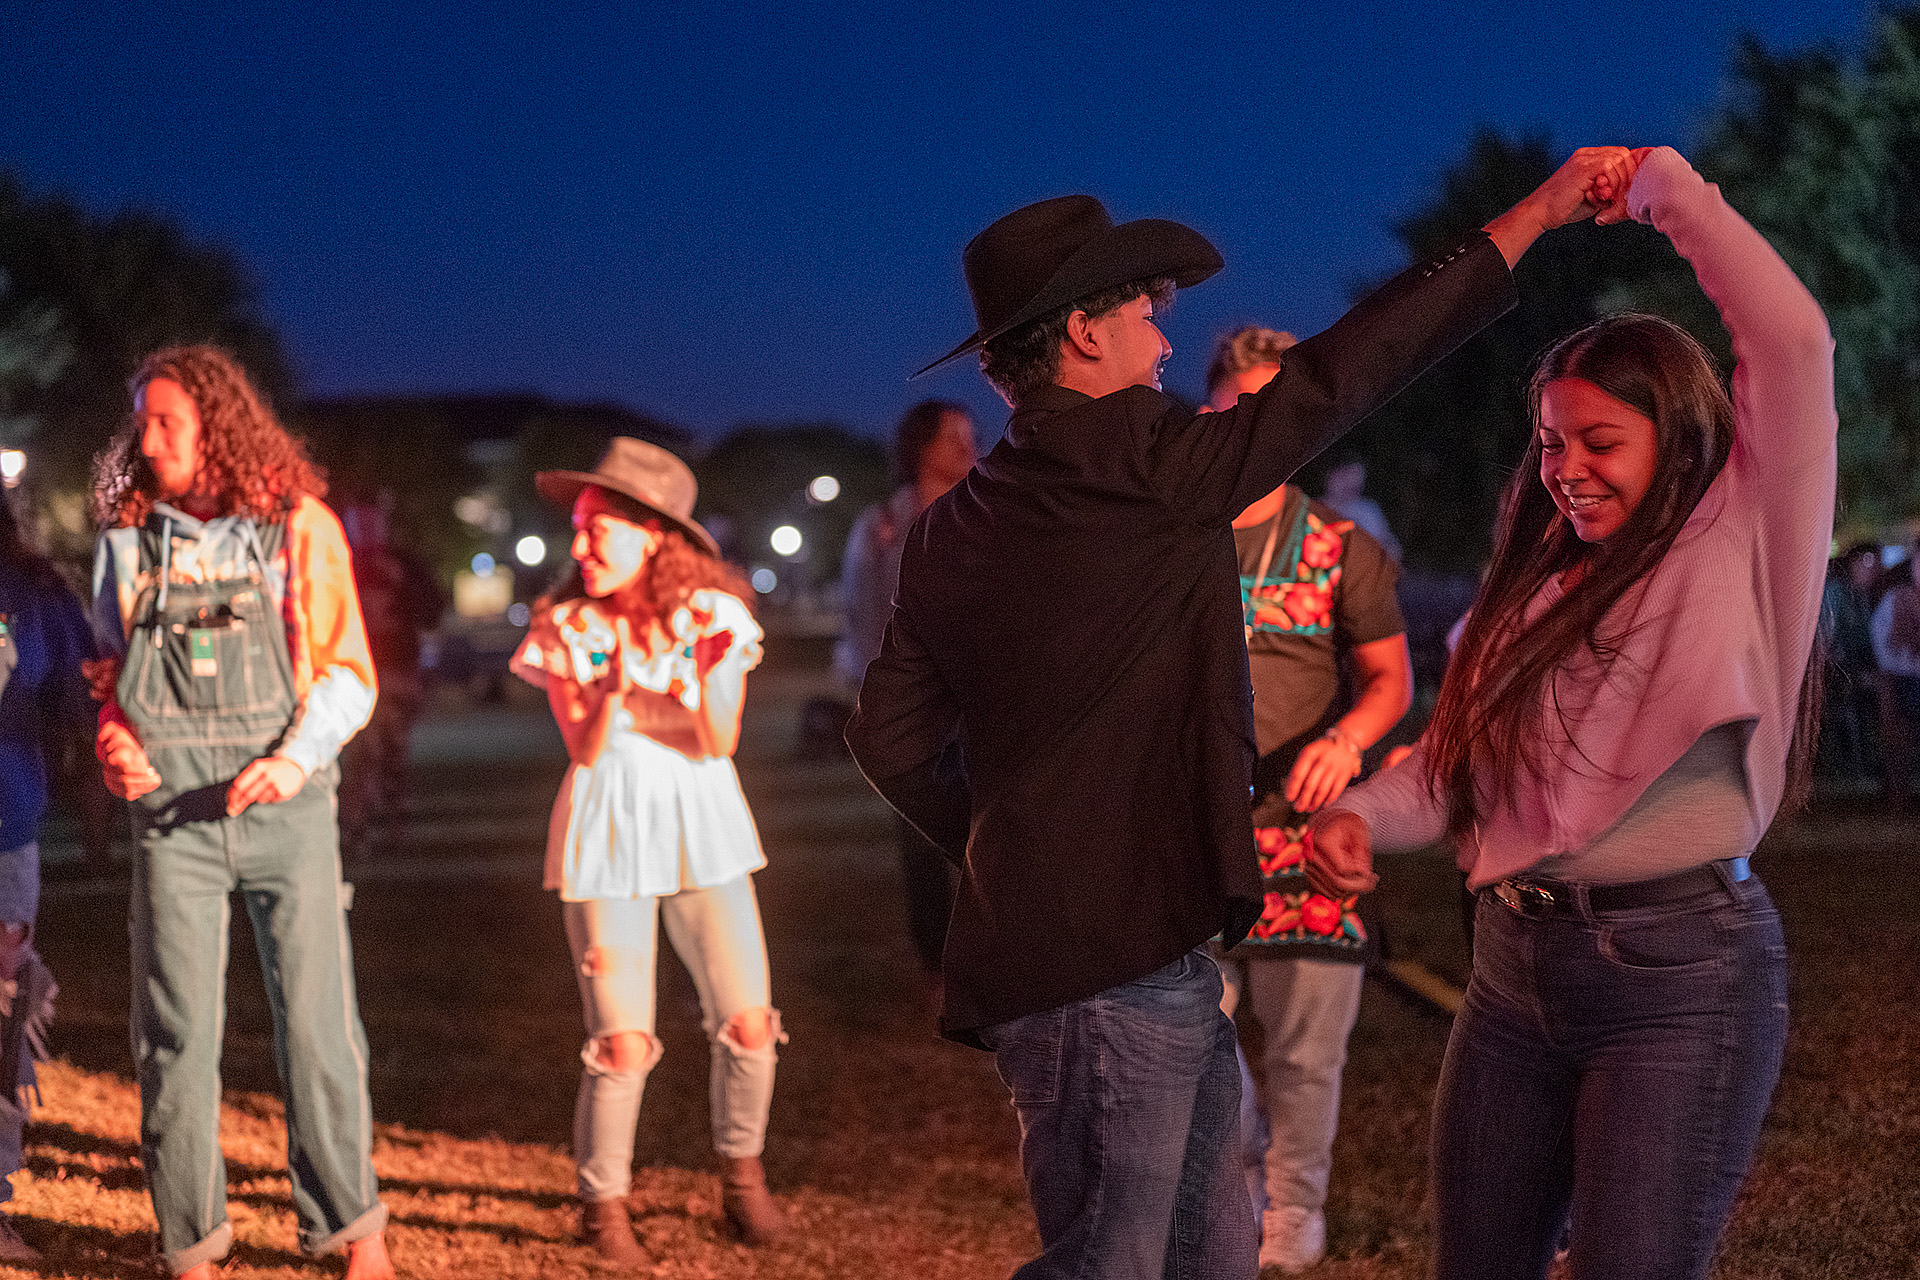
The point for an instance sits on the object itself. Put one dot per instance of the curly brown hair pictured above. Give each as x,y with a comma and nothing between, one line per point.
674,572
249,464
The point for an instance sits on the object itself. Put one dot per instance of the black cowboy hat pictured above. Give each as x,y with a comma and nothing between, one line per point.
1044,256
645,473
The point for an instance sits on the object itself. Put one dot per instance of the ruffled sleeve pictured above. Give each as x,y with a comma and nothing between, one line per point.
565,642
537,654
726,632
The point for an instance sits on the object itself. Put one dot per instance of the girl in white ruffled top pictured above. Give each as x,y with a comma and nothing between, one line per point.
644,655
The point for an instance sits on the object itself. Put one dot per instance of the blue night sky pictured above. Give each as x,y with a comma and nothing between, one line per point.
754,212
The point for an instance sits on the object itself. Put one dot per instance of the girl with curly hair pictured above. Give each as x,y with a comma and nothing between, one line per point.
1627,711
237,666
644,654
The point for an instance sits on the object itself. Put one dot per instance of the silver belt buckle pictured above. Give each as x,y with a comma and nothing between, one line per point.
1524,898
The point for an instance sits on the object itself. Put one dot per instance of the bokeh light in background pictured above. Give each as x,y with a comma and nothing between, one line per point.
823,489
530,550
786,540
13,463
482,565
765,580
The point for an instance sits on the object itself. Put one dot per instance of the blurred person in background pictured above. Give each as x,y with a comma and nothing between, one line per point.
1347,494
643,653
224,599
933,448
44,708
1896,647
401,600
1849,731
1318,595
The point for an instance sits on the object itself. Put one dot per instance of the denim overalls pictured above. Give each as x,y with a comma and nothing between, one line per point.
208,687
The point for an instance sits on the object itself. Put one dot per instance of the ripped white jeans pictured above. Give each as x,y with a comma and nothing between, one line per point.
716,933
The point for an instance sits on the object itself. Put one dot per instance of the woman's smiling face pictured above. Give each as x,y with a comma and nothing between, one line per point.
1596,456
612,549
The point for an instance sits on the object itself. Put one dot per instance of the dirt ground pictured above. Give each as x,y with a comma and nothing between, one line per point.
893,1151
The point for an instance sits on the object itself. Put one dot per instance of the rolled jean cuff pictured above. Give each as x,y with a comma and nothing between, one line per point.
370,1223
210,1248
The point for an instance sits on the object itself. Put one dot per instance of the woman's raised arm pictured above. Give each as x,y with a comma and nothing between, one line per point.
1783,350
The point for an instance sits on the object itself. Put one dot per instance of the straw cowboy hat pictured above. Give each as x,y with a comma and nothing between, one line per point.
644,472
1044,256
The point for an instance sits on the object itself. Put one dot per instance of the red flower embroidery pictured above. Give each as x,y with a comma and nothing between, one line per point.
1321,915
1268,610
1279,850
708,650
1320,549
1280,915
1309,604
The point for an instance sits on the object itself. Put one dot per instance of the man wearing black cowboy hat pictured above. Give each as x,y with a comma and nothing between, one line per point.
1062,700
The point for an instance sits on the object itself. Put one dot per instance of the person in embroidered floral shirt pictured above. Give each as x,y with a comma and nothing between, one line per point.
1317,592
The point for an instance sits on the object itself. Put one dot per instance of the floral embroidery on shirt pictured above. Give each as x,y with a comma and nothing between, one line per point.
1280,851
576,641
1292,911
1299,600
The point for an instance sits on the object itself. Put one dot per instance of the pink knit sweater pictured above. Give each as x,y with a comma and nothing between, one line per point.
1719,632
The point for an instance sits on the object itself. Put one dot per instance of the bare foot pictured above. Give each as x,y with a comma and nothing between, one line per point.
367,1259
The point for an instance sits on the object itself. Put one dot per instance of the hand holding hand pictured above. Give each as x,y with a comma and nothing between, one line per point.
1321,772
268,780
1339,853
1593,181
129,773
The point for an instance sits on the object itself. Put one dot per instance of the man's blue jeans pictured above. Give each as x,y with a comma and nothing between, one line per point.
1129,1131
1618,1062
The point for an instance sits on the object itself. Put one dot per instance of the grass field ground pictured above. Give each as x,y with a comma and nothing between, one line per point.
894,1151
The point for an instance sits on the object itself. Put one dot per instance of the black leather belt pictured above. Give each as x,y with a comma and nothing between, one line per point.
1536,897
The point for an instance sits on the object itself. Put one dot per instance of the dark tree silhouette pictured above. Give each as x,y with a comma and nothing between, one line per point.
85,299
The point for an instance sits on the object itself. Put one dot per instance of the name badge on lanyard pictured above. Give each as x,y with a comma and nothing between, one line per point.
200,652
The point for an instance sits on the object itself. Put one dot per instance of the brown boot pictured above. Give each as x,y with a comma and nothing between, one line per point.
604,1225
745,1200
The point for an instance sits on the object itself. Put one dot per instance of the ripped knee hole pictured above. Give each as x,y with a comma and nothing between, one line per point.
626,1051
752,1029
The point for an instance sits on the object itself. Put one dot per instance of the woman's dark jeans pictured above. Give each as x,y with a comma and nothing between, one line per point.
1617,1062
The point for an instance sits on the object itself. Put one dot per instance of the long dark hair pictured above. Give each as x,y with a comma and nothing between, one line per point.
676,570
1491,711
249,464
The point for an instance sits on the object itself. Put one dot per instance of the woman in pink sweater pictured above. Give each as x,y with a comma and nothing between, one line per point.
1617,730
